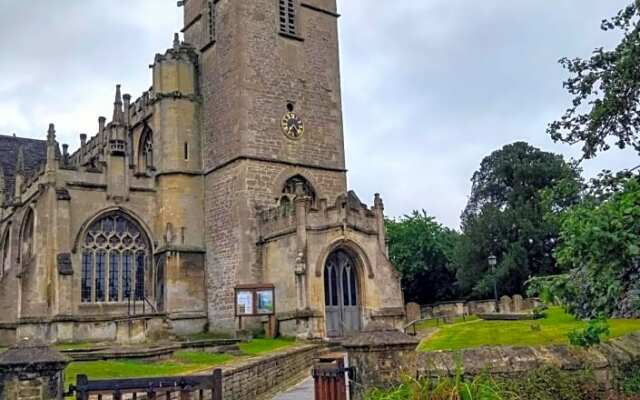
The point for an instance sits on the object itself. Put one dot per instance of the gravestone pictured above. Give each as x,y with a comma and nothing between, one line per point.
506,305
519,304
413,312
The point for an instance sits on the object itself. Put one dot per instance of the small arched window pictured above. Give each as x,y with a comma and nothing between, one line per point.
115,260
6,250
145,154
27,237
290,187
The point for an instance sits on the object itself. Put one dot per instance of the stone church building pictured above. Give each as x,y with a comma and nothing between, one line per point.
228,174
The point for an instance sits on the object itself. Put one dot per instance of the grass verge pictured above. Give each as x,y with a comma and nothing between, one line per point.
182,362
551,330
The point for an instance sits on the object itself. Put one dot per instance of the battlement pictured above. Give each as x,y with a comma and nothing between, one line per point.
347,211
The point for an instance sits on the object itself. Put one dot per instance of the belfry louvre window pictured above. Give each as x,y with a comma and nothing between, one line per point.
115,260
288,17
212,21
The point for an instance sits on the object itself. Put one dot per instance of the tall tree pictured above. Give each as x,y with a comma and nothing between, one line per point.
421,249
606,92
600,245
505,217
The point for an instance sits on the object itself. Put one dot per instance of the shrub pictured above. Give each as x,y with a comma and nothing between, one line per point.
591,335
631,383
542,384
540,312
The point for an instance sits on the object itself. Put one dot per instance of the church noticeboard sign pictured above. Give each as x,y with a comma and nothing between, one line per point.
255,300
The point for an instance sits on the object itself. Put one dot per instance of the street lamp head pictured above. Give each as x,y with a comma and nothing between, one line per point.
493,260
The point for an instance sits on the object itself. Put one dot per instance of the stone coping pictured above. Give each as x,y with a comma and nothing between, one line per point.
242,365
102,353
31,354
379,336
99,318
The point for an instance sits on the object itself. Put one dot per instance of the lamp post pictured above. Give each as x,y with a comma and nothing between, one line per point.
493,261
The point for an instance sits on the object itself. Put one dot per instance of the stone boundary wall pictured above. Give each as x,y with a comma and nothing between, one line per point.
462,308
604,360
259,379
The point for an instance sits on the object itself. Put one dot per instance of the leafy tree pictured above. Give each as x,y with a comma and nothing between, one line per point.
512,191
421,249
600,244
606,92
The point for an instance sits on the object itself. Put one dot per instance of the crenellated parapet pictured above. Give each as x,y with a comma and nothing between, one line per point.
347,212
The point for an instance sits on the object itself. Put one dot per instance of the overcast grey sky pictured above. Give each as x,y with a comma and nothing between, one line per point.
430,86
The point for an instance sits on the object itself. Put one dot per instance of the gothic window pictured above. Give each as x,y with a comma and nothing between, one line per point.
145,157
115,260
289,189
26,240
288,17
5,252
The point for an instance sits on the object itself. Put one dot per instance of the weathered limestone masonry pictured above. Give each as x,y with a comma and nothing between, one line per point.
229,171
383,357
277,207
507,304
605,360
32,371
261,379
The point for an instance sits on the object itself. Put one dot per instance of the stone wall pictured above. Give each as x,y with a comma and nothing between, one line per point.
604,360
515,304
262,378
383,358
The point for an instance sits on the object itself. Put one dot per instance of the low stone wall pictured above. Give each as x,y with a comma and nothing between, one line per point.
603,360
261,378
454,309
383,358
120,329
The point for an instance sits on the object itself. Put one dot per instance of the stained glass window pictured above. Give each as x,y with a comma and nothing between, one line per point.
108,272
114,273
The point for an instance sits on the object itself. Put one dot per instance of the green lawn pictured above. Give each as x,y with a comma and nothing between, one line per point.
552,330
182,362
433,323
260,346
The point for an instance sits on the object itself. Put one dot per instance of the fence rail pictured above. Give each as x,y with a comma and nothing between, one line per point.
206,387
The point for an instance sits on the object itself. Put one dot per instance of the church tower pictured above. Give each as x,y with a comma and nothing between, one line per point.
269,80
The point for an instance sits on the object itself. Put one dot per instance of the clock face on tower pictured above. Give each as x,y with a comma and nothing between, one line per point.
292,126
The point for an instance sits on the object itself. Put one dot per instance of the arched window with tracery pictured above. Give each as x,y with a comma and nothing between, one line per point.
27,237
289,191
6,250
115,260
145,154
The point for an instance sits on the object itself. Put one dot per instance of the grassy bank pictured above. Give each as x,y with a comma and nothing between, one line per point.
551,330
182,362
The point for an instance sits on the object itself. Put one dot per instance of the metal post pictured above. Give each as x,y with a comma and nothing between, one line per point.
495,290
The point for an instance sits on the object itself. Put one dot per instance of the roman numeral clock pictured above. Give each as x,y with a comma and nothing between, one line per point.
292,125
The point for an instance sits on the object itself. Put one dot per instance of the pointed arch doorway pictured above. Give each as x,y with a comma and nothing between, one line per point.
342,297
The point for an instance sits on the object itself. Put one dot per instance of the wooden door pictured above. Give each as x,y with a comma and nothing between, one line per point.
342,305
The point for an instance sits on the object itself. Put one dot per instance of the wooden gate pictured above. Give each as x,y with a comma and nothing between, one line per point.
206,387
330,378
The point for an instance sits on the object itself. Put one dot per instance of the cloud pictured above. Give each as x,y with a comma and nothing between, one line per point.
430,87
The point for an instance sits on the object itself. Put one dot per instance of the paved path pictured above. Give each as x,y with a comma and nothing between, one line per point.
304,391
